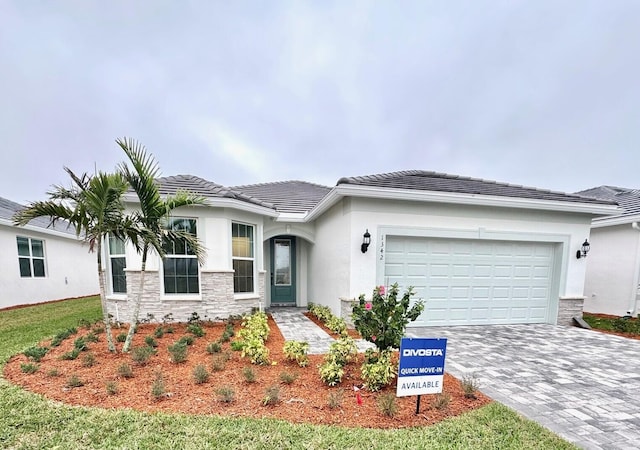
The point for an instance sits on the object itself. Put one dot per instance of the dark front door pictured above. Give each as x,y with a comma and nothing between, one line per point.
283,270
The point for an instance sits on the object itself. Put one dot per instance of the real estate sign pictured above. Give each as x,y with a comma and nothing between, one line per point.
421,368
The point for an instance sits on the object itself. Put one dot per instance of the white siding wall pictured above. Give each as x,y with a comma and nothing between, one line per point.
612,270
71,271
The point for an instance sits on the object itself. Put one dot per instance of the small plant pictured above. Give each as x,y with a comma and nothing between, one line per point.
226,394
121,337
337,325
111,387
441,400
141,355
68,356
81,344
74,381
150,342
249,374
58,338
91,337
35,353
29,368
288,377
214,347
331,371
200,374
195,329
159,332
125,370
187,340
158,387
387,404
53,372
84,323
470,385
271,395
178,352
335,398
237,346
97,329
297,351
89,360
218,362
169,330
343,350
228,329
256,351
378,370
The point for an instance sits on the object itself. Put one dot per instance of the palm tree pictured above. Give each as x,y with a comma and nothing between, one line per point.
93,206
151,218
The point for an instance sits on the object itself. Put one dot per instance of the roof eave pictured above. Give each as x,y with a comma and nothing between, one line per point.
36,229
610,221
224,202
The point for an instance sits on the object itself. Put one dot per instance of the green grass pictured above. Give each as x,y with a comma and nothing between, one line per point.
629,325
28,421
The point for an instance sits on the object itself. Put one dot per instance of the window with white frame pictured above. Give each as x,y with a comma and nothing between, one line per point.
31,257
117,264
242,242
180,265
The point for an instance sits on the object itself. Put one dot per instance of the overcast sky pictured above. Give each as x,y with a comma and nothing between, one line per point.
540,93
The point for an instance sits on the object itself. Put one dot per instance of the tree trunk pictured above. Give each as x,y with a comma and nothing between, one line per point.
103,300
136,307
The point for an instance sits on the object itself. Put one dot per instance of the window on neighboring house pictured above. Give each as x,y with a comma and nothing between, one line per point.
117,264
31,257
180,263
242,243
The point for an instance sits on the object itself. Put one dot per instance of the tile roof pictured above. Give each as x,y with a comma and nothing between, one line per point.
9,208
441,182
628,199
200,186
287,196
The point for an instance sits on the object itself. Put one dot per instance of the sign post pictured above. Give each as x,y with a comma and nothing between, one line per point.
421,368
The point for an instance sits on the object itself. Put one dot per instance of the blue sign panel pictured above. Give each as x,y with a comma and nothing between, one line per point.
421,368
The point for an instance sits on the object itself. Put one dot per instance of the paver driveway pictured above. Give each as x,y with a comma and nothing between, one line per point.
581,384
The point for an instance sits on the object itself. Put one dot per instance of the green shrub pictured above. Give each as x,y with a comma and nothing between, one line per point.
186,340
441,400
288,377
335,398
226,394
200,374
387,404
237,346
141,355
89,360
111,387
383,320
91,337
74,381
125,370
214,347
331,371
29,367
121,337
81,344
249,374
68,356
158,387
36,353
159,332
150,342
297,351
195,329
218,362
470,385
378,371
256,351
271,395
337,325
178,351
58,338
53,372
343,350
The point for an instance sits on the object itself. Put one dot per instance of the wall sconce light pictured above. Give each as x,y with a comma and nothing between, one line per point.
366,240
582,253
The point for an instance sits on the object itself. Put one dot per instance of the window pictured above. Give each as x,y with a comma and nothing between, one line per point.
31,257
117,264
243,259
180,263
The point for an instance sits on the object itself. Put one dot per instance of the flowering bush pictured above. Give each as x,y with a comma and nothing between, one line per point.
383,320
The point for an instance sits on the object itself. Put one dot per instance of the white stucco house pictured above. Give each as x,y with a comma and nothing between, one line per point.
613,263
41,263
477,251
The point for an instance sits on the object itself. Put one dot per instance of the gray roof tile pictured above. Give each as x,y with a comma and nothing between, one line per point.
628,199
441,182
287,196
9,208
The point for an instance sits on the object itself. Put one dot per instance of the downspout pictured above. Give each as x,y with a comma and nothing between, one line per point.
633,300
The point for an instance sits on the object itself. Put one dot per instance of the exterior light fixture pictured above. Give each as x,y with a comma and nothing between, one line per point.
366,240
582,253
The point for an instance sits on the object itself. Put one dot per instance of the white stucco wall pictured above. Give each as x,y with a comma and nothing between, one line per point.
612,270
71,271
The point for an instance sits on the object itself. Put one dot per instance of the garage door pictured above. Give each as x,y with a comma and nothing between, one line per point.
467,282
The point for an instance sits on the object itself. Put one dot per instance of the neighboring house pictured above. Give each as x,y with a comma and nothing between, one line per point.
478,252
613,263
41,263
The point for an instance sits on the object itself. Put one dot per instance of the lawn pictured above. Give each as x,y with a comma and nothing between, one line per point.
28,421
629,326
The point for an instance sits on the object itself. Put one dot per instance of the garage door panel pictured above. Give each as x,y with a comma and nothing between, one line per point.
473,282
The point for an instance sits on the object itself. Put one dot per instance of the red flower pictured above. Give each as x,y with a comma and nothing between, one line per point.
367,306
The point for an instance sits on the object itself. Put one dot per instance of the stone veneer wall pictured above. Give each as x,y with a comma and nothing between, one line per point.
346,307
568,308
217,298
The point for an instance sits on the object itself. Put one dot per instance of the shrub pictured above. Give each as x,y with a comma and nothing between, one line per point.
53,372
288,377
337,325
218,362
58,338
81,344
249,374
125,370
470,385
150,342
121,337
255,325
187,340
159,332
29,368
297,351
387,404
91,337
195,329
141,355
383,320
178,352
68,356
97,329
226,394
441,400
331,371
271,395
323,313
335,398
378,370
237,346
111,387
200,374
35,353
256,351
169,330
158,387
214,347
343,350
74,381
89,360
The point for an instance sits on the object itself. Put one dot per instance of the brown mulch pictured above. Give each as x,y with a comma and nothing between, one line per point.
617,333
306,400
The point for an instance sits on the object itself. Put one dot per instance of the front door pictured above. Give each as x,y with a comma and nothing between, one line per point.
283,270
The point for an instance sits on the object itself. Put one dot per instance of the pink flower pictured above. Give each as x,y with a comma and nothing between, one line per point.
373,338
367,306
381,290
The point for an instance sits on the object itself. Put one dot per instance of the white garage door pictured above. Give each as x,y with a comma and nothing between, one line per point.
468,282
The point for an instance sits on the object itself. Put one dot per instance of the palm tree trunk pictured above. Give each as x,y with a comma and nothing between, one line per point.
103,300
136,307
